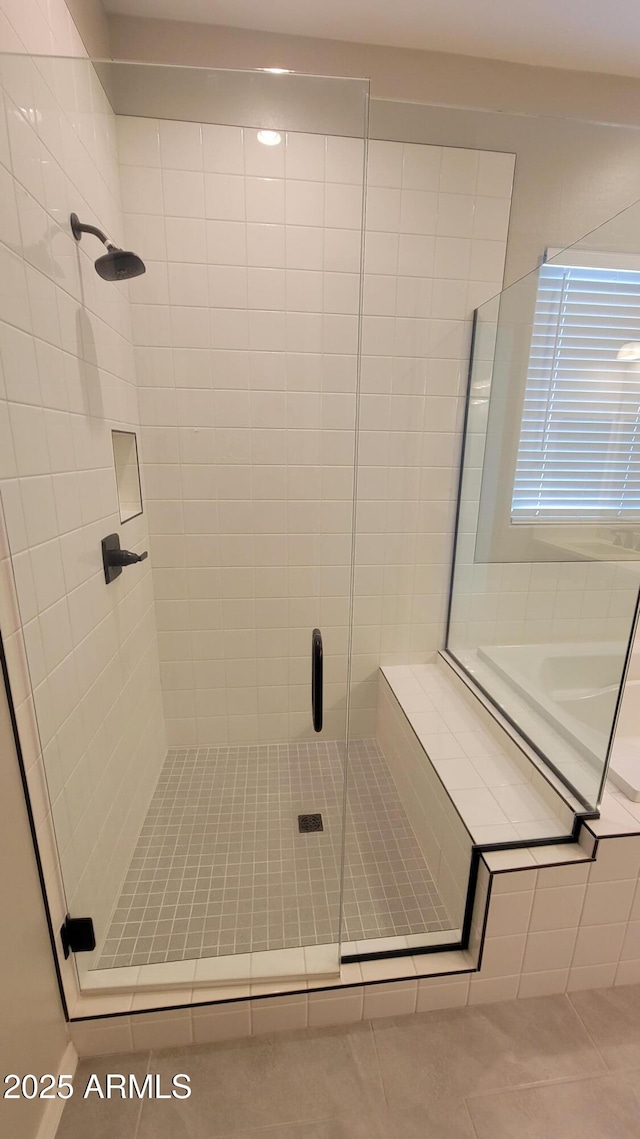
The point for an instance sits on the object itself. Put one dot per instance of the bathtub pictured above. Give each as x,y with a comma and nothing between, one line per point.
574,687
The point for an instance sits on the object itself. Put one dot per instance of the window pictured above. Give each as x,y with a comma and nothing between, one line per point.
578,456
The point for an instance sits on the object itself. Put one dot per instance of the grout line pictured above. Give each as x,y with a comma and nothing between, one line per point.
141,1106
465,1103
383,856
371,1023
589,1034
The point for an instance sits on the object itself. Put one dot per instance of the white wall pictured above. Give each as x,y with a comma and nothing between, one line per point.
575,134
33,1035
437,220
396,73
253,356
68,378
246,333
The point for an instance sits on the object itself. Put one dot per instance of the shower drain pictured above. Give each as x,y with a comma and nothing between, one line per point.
309,823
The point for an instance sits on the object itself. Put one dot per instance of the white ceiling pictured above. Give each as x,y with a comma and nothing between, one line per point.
592,35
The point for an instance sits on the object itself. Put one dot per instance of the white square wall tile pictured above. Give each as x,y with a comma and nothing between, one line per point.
223,151
106,1039
599,944
275,1014
487,990
325,1010
384,163
305,156
591,977
224,196
265,200
458,171
557,908
543,984
495,174
304,203
262,160
607,902
549,951
138,141
227,1022
183,193
161,1030
502,956
180,145
440,993
421,167
616,858
344,160
390,1000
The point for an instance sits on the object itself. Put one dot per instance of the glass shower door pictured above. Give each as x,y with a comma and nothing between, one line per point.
198,816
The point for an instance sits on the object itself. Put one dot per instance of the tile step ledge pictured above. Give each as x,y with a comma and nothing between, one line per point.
500,795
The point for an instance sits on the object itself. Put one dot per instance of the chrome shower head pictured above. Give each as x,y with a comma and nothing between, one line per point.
114,265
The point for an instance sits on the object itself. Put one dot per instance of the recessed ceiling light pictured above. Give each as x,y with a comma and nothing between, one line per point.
269,138
278,70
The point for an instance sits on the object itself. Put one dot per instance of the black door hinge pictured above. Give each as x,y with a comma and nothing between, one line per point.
77,935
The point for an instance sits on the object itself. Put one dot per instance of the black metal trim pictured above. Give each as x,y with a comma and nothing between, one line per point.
588,807
619,696
32,827
485,920
465,425
471,896
588,858
317,669
477,852
388,954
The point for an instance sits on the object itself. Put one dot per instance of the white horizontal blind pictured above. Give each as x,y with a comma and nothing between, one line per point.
579,450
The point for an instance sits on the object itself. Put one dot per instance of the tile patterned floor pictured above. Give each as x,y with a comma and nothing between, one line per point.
558,1067
220,866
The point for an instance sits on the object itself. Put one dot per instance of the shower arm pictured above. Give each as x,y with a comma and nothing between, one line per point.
79,227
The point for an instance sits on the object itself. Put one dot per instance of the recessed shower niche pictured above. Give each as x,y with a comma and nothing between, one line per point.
127,469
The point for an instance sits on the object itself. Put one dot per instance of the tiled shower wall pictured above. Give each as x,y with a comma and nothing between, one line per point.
67,379
246,334
436,233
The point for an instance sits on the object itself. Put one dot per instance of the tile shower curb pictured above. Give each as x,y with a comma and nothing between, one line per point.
367,995
392,969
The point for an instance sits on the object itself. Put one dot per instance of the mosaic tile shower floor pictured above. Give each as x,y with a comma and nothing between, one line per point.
220,866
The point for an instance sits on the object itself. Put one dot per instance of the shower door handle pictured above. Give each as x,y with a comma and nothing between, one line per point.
316,679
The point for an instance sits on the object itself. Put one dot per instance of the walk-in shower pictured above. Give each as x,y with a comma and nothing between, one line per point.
228,498
203,649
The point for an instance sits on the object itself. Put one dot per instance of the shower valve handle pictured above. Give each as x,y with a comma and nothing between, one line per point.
125,557
114,558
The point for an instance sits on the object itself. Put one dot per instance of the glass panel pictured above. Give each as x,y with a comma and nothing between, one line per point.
408,853
545,585
173,704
